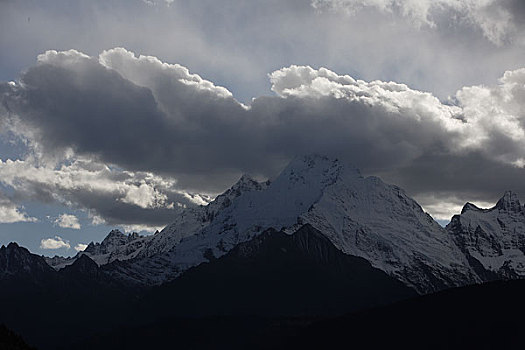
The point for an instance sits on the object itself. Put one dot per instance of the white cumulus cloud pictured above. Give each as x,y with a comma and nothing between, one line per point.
67,221
54,243
10,213
80,247
112,196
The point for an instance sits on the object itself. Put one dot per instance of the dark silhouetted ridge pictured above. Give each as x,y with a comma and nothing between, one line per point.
487,316
9,340
279,274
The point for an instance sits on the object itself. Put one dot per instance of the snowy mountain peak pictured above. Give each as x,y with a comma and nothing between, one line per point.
469,206
364,217
361,216
116,246
113,236
316,170
494,239
247,183
509,202
117,236
114,233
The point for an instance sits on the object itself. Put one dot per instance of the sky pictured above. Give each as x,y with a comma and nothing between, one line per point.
118,114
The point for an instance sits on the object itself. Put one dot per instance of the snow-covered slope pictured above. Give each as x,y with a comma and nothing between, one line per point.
366,217
361,216
118,246
494,237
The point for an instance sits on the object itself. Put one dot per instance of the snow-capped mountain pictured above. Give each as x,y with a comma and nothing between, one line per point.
493,239
116,246
361,216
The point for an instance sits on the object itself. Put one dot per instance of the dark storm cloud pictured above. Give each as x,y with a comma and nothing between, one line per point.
117,212
144,115
73,101
443,183
516,8
91,109
469,176
185,126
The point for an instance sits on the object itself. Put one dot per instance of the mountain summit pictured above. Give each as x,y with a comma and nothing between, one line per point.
361,216
509,202
318,239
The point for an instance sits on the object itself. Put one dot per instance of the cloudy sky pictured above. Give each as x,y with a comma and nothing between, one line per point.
119,113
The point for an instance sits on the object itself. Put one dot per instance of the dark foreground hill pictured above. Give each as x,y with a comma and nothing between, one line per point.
274,275
488,316
11,341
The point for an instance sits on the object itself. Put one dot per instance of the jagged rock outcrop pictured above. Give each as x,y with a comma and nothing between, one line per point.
493,239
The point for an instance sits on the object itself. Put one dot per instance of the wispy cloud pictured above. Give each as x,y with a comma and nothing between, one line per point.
497,19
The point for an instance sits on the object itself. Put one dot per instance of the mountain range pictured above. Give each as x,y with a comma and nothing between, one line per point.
319,240
361,216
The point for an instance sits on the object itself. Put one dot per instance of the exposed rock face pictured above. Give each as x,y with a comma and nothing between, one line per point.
17,263
279,274
360,216
493,239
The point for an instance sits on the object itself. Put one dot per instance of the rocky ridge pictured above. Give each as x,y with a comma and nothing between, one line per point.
361,216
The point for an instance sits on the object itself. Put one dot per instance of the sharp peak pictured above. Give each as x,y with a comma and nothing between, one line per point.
321,164
247,182
316,159
113,234
470,206
81,264
509,194
115,231
509,201
246,178
313,158
13,246
83,259
118,233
